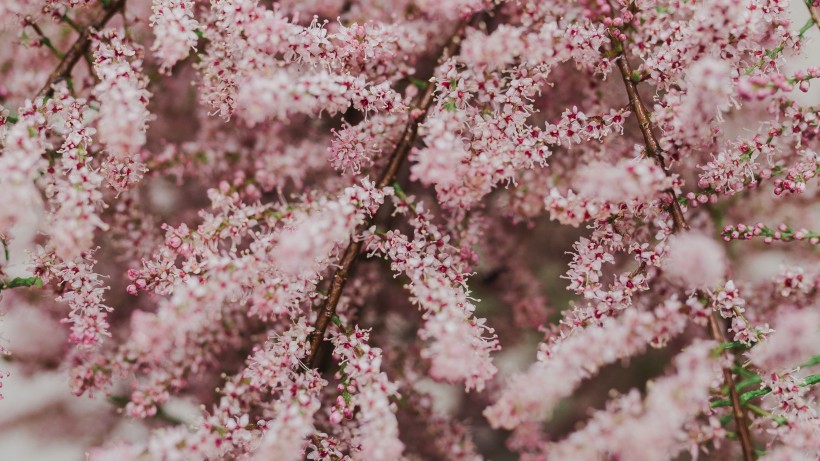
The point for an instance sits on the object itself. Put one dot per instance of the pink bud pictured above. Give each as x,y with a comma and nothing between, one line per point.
804,86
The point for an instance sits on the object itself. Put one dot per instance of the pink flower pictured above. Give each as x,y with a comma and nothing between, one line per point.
625,181
695,261
174,30
652,429
377,435
205,228
795,336
566,361
312,238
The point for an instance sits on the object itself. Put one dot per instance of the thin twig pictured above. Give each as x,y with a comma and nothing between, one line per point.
387,177
89,60
653,149
43,38
80,46
66,19
741,420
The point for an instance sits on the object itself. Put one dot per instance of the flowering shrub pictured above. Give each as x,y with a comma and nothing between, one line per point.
307,220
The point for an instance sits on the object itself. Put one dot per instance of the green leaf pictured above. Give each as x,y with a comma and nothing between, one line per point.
418,83
743,372
757,410
399,191
748,382
812,361
23,282
336,321
746,396
734,345
810,380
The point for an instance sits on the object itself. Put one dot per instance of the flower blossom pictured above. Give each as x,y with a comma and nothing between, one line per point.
313,237
124,116
652,429
457,346
174,30
695,261
795,336
377,434
565,362
639,180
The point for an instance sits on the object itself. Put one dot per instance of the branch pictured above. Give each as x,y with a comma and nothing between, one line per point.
741,420
80,46
654,150
387,177
814,17
44,40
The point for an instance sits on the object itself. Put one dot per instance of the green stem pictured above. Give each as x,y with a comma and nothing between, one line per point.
759,411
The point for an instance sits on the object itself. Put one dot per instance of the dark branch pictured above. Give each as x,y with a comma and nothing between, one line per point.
387,177
80,47
741,419
654,151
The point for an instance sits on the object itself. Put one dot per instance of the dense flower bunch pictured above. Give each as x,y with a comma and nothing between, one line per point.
413,229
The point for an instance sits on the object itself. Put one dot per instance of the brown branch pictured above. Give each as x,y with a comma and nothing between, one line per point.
80,47
654,150
814,16
741,420
387,177
44,40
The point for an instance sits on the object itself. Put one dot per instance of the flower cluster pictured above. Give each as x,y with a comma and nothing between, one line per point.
565,361
367,391
175,30
416,229
459,343
123,112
